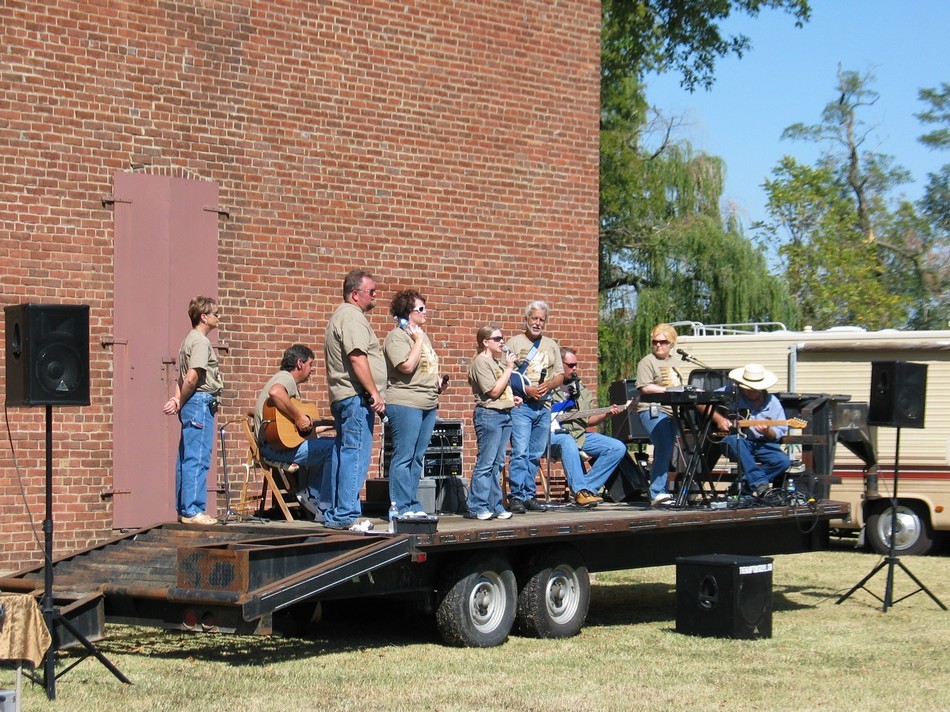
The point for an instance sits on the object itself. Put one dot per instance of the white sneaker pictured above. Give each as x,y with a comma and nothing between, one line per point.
363,526
662,500
504,515
485,516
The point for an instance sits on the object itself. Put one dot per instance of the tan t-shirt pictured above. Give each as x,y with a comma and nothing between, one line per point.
197,352
482,376
546,359
349,331
419,389
666,372
287,381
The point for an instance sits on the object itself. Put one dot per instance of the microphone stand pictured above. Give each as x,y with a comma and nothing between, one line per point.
692,359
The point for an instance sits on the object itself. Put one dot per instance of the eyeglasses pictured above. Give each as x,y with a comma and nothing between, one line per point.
421,309
370,292
495,338
660,342
571,365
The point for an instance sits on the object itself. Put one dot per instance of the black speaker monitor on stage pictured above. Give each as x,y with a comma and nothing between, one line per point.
898,394
47,354
626,426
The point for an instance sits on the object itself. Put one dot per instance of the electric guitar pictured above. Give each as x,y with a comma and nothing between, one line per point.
566,415
791,423
281,432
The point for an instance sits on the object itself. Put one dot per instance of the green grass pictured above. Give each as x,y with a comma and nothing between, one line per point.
821,656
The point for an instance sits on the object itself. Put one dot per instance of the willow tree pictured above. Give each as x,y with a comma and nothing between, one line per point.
667,253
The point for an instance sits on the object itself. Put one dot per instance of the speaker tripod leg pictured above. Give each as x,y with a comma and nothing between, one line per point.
860,584
920,586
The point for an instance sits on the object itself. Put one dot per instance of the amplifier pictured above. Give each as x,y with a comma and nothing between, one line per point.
447,435
437,464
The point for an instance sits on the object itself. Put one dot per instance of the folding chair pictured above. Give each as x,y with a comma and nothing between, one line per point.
278,479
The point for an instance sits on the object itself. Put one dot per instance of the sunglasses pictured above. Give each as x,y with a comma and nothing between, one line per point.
370,292
571,365
659,342
421,309
496,338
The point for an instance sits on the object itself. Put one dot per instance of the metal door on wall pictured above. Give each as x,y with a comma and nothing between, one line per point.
166,252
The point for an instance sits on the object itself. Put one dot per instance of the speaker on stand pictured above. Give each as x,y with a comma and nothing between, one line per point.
898,399
47,364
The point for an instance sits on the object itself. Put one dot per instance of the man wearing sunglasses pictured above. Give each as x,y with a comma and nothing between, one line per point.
570,437
539,362
356,377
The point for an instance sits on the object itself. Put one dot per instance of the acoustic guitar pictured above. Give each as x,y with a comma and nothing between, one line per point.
280,431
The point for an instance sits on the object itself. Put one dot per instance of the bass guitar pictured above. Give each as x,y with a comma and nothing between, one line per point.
281,432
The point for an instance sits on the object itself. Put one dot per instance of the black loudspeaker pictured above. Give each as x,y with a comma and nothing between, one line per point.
47,354
626,426
724,596
898,394
628,481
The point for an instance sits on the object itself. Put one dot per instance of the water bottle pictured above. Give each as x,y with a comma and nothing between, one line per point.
393,514
790,487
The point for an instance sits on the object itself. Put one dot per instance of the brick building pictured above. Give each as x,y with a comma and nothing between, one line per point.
258,151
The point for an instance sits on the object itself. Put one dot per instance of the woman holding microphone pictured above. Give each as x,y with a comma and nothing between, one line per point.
488,377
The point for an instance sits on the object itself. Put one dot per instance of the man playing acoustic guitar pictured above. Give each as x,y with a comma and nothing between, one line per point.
755,447
311,454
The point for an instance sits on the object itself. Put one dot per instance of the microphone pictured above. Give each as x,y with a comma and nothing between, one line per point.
683,354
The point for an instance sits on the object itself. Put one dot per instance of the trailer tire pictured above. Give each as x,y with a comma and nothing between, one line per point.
478,602
555,595
914,536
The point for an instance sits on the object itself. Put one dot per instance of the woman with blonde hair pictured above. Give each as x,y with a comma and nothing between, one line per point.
656,372
489,377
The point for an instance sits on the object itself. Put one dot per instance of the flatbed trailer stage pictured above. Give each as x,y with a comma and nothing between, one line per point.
479,577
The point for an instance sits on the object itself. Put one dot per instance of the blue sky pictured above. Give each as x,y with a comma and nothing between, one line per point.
789,76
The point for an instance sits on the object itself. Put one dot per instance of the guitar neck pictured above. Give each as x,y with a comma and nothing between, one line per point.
567,415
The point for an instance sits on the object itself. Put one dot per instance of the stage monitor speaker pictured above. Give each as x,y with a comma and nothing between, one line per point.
626,426
898,394
47,354
628,481
724,596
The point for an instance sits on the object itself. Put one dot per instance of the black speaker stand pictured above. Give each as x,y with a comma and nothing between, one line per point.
892,560
51,614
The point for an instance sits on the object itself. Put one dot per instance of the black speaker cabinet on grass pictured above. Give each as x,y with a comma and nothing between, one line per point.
47,354
724,596
898,394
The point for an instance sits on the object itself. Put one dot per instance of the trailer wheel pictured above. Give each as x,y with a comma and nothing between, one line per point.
477,606
554,599
913,536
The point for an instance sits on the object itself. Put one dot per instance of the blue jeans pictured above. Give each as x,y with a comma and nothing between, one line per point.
492,431
314,456
760,462
530,425
194,453
662,430
411,431
352,451
606,452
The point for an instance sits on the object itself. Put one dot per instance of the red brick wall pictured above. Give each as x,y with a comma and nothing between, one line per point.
450,147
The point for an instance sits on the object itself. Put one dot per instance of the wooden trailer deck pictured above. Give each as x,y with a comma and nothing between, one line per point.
240,577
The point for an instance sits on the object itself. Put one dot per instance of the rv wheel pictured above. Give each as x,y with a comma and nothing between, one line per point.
913,535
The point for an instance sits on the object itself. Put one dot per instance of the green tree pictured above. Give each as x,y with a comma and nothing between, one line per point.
666,251
853,254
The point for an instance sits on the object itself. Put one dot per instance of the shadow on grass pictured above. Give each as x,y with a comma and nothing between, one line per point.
348,626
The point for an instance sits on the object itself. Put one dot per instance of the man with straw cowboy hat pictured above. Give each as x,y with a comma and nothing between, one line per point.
756,447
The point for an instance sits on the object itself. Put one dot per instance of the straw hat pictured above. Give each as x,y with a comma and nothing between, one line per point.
754,376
